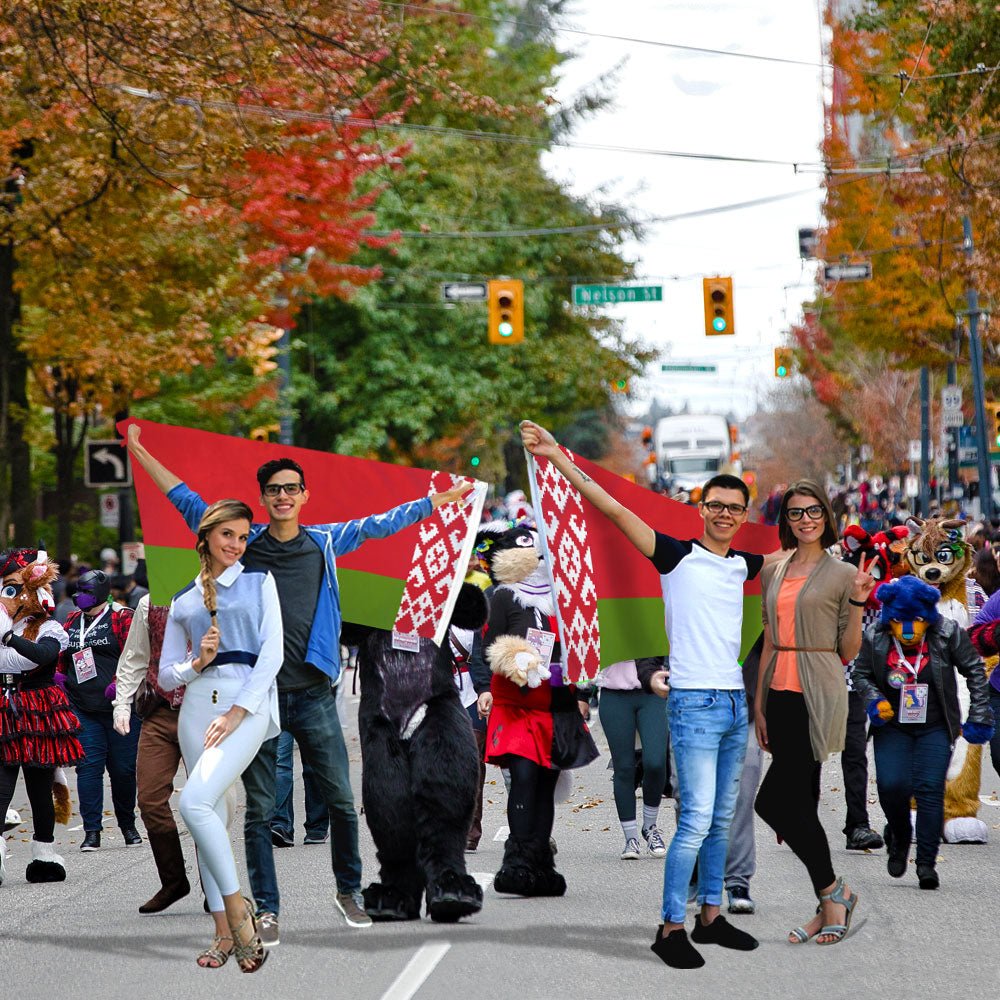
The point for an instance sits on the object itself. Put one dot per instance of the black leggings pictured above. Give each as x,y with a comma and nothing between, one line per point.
38,782
531,809
788,800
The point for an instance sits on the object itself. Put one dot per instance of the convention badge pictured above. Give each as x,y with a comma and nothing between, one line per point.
84,665
897,678
913,702
408,642
544,642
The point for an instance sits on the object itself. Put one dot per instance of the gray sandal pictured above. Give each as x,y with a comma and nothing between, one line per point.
838,931
801,935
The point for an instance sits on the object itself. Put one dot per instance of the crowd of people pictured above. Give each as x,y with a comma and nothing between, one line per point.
246,662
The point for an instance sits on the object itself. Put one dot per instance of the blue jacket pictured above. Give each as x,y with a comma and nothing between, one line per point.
334,540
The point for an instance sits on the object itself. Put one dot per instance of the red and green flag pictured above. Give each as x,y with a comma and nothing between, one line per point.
405,582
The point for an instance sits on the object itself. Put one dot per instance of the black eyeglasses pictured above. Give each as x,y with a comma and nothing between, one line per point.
717,507
292,489
814,512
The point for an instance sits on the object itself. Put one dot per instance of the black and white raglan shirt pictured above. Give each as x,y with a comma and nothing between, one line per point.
703,603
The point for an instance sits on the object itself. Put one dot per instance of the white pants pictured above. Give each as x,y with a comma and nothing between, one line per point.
203,801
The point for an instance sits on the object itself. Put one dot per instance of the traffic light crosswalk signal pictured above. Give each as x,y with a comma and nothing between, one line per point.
506,311
782,362
718,295
992,424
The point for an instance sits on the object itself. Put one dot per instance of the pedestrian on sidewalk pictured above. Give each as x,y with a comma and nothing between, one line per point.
96,634
811,609
303,561
702,583
628,708
231,616
137,692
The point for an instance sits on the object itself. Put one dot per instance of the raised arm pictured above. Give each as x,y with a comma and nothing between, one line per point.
162,476
542,444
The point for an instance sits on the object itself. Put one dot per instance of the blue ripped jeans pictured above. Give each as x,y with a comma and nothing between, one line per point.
708,736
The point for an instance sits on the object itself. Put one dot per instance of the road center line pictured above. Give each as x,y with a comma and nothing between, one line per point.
416,971
502,834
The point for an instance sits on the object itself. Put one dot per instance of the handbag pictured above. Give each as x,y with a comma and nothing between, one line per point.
146,699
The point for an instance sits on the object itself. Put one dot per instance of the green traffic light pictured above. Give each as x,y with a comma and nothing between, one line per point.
781,371
505,329
474,461
719,324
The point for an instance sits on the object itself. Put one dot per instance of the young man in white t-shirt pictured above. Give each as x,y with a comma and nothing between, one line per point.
702,582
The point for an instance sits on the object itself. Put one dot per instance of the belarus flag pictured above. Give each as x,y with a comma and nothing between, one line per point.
407,582
608,595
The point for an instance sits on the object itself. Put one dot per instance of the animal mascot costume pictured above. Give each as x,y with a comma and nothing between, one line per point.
937,554
906,674
420,771
535,726
37,727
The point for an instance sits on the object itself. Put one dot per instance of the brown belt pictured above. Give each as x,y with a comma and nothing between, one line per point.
803,649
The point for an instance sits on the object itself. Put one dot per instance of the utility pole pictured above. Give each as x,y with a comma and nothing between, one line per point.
978,381
953,482
925,440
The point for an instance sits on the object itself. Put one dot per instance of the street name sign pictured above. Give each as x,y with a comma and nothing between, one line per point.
599,295
463,291
688,368
106,464
848,272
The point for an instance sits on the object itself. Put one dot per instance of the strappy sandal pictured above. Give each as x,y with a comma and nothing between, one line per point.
253,952
801,935
214,957
838,931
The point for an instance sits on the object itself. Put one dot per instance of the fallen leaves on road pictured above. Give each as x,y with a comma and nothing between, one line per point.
589,804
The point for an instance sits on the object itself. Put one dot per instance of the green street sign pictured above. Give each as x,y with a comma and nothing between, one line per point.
599,295
688,368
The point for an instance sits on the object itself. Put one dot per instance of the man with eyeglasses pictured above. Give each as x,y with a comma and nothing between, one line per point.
702,581
302,559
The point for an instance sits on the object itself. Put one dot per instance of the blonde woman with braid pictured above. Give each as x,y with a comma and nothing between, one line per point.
224,642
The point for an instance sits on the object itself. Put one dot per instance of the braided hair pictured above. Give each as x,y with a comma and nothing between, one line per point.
216,514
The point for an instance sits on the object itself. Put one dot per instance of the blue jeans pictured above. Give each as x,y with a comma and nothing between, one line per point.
911,764
311,718
106,749
708,735
317,815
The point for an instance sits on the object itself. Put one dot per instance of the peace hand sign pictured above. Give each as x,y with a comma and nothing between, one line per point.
864,582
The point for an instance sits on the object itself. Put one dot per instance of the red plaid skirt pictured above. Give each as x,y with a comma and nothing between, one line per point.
38,728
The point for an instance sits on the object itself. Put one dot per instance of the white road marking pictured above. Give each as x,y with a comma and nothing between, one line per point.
484,879
416,971
989,800
502,834
73,829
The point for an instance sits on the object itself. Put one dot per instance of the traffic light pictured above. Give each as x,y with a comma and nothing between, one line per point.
506,309
782,362
264,433
718,293
474,461
620,385
992,424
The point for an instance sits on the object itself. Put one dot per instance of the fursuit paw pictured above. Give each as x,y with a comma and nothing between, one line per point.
453,896
879,711
977,732
515,658
45,864
386,902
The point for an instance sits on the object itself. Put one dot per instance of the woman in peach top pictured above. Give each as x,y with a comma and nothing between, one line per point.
812,605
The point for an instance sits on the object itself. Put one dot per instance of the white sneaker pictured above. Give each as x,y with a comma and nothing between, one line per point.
632,850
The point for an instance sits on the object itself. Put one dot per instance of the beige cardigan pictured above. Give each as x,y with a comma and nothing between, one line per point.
821,613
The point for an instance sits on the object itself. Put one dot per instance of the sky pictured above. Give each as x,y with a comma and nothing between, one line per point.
667,99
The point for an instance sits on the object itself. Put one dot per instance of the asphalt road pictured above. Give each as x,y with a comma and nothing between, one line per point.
85,938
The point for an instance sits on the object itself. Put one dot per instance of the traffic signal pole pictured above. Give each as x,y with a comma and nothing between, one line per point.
978,382
925,441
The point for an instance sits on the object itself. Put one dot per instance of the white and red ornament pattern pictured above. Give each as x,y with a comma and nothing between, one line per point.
440,558
565,532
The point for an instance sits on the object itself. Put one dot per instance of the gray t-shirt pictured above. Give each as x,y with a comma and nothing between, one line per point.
297,568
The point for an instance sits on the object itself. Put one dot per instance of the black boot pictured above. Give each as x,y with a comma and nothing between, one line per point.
387,902
452,896
169,858
548,882
897,853
517,874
